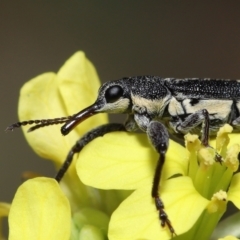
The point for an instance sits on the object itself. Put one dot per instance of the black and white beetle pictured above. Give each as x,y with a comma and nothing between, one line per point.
156,105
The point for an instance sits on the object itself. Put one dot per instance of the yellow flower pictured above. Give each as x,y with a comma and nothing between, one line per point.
4,211
193,186
39,209
229,238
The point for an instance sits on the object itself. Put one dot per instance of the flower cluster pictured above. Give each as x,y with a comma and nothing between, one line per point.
194,187
41,208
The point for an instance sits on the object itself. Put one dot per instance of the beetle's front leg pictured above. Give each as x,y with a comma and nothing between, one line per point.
84,140
130,124
236,122
158,136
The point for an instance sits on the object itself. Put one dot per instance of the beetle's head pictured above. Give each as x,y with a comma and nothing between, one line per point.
113,97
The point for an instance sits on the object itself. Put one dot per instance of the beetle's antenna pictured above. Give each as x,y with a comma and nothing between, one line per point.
39,123
45,124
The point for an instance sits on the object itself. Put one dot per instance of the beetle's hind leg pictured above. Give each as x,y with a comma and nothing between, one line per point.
83,141
158,135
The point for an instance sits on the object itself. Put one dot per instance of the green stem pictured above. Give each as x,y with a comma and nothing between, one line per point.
207,224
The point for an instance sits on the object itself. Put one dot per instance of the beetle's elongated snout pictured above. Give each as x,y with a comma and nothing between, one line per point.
78,118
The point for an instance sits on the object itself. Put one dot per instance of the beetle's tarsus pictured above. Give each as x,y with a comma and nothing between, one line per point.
163,217
218,158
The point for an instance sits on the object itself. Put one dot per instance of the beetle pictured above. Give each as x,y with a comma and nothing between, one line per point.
159,107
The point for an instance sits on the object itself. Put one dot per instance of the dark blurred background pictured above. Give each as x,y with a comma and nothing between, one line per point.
122,38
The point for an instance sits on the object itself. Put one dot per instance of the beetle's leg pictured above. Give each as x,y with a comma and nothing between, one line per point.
158,136
130,124
194,120
83,141
236,122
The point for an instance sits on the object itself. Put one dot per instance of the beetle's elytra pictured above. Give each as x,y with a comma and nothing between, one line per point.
157,106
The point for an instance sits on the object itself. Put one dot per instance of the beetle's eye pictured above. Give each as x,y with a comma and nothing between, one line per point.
113,94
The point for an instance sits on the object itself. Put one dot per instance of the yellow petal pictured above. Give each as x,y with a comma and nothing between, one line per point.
176,160
229,238
137,218
39,211
4,209
78,84
50,96
234,190
234,138
39,99
123,160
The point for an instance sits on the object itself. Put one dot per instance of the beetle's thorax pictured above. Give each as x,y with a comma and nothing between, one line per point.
149,93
